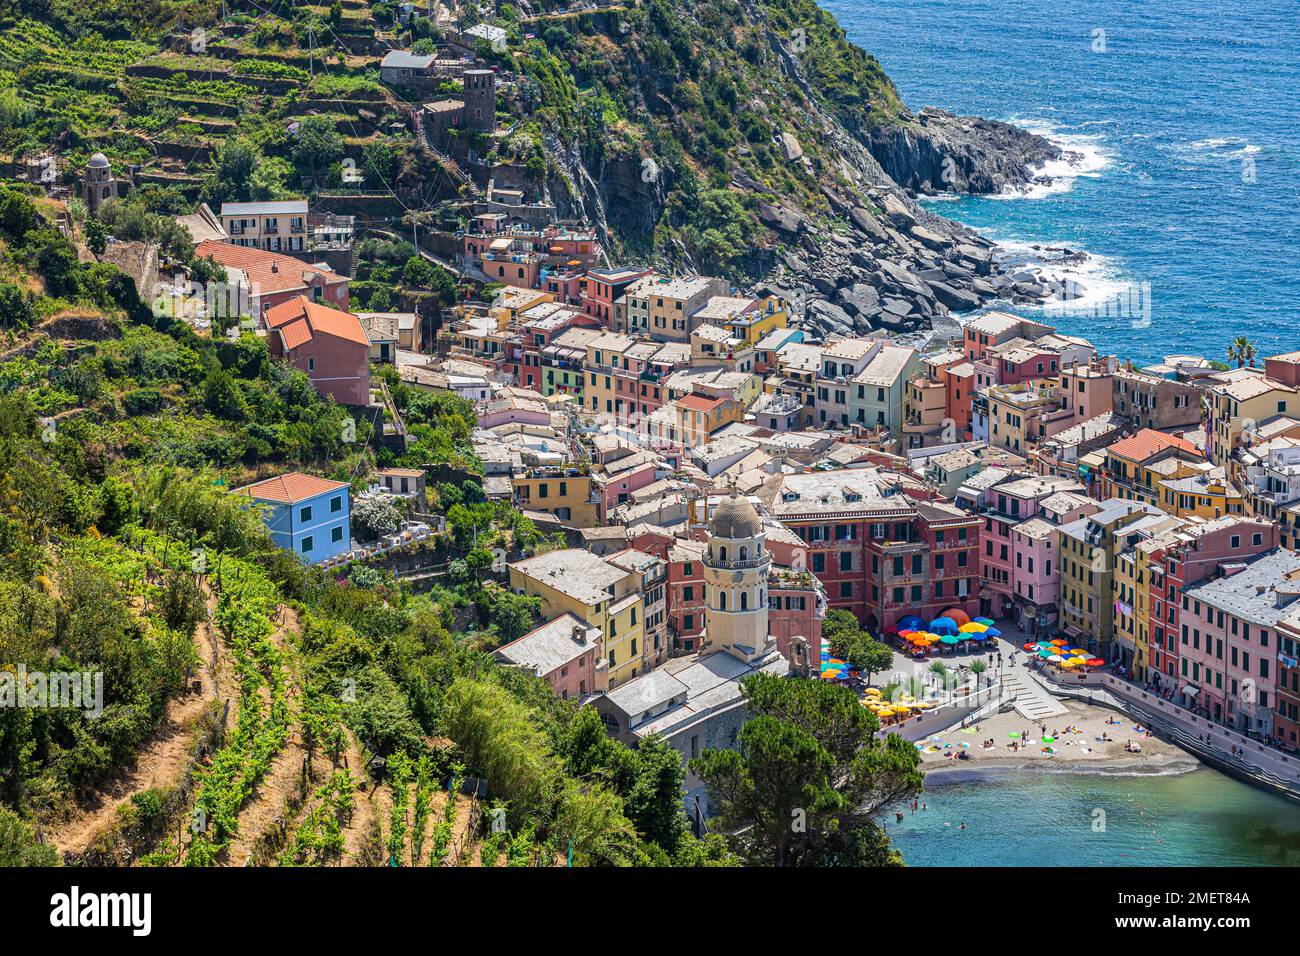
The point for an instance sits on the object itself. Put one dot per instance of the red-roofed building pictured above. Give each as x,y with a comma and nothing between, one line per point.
329,345
274,278
1136,465
308,516
699,415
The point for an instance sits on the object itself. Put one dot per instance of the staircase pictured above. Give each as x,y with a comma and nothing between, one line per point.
1032,701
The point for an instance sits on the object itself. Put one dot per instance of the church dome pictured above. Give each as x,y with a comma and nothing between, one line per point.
98,161
735,517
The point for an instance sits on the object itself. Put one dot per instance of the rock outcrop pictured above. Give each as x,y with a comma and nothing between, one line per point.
943,152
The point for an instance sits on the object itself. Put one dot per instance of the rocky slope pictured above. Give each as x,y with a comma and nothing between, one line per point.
749,138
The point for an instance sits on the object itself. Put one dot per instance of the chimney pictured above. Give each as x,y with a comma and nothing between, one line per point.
579,634
275,267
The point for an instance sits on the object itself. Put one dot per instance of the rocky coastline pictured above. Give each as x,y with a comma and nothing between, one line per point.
897,268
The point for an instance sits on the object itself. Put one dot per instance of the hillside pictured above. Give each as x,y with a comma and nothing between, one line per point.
746,138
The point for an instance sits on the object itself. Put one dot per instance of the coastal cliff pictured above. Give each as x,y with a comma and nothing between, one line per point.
750,138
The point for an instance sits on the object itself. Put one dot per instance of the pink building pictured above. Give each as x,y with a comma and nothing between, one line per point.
601,288
796,605
1229,642
616,480
1004,508
564,653
1036,570
328,344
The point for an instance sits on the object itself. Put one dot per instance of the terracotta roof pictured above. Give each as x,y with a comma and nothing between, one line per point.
290,488
300,320
268,272
1148,442
699,403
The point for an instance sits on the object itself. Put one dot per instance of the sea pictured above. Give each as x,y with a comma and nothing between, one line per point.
1083,818
1182,187
1182,126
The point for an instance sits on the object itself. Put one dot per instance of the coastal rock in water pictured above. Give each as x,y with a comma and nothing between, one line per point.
943,152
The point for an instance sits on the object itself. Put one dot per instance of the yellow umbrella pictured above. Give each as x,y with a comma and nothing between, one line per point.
1078,660
1068,663
973,628
872,691
902,709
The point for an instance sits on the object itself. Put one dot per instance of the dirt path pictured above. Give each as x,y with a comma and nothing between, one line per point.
162,760
371,804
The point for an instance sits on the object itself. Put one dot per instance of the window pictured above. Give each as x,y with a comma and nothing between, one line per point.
846,589
336,503
304,514
744,600
307,544
336,535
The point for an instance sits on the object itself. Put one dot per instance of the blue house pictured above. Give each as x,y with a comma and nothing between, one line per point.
310,516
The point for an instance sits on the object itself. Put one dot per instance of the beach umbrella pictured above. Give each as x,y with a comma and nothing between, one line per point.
829,675
901,709
957,616
911,622
1096,662
1064,662
1046,653
943,625
1031,647
1078,660
992,632
872,692
977,637
972,628
950,639
1058,642
987,621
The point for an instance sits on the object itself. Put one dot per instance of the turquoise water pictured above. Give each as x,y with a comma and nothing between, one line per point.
1189,130
1201,818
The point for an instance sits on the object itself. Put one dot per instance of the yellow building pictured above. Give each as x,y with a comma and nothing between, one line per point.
575,581
1087,554
1205,494
511,300
606,390
765,316
566,493
1237,405
1136,465
1015,412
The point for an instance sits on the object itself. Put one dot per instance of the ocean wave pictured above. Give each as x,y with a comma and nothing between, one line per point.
1085,155
1097,284
1214,148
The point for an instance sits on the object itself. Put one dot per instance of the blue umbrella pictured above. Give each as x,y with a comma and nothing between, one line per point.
911,623
941,625
992,632
977,636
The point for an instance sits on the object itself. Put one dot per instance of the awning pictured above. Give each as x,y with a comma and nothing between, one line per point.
1191,690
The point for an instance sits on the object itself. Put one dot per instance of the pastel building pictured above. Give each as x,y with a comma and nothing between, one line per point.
306,515
1229,644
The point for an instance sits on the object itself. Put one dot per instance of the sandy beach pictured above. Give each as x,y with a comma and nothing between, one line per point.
1075,743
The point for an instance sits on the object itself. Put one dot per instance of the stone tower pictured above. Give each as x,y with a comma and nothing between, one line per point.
98,186
480,100
736,568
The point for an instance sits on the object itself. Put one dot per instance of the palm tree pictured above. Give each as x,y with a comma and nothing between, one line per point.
977,667
1242,351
